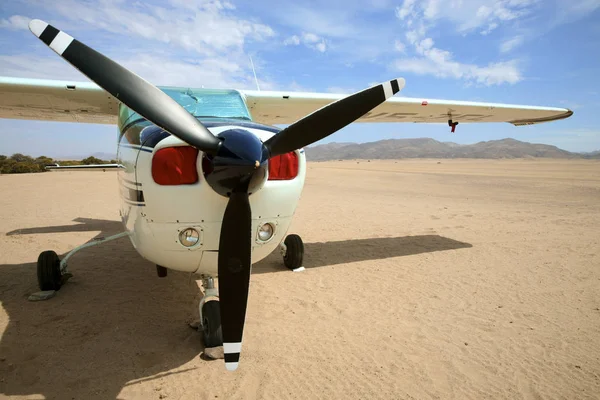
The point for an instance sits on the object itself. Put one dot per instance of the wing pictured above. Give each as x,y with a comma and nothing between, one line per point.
91,167
52,100
288,107
69,101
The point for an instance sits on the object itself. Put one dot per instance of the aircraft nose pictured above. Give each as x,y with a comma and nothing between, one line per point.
240,164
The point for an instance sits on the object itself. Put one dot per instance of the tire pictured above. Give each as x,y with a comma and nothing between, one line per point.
294,251
48,271
211,324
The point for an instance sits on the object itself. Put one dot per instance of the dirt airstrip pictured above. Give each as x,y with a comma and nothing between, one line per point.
425,279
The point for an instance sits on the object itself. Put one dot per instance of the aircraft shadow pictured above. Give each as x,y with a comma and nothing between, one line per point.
115,323
323,254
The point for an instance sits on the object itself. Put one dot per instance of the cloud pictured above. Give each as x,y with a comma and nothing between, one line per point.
181,43
399,46
15,22
406,9
292,40
205,27
489,29
310,40
510,44
440,63
419,18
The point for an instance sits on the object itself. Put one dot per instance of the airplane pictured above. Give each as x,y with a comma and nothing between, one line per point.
208,183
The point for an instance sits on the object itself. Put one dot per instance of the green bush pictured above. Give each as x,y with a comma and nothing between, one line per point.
20,164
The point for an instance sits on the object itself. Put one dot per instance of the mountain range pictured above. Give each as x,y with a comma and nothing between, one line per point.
420,148
430,148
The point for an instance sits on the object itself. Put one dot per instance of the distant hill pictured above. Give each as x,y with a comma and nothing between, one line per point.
100,155
592,154
430,148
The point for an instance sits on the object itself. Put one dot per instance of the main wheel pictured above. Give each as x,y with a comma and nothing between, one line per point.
211,324
48,271
294,253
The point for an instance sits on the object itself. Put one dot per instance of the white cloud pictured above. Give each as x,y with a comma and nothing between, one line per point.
424,45
292,40
154,67
406,9
205,27
15,22
419,18
489,29
441,64
510,44
466,15
187,42
309,39
321,47
399,46
32,66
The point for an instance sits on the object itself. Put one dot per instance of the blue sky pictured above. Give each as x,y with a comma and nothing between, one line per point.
534,52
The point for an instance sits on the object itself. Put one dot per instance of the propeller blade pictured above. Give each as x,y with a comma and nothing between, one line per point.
331,118
132,90
235,263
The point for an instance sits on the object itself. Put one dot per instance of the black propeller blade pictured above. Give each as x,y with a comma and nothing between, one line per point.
331,118
234,274
133,91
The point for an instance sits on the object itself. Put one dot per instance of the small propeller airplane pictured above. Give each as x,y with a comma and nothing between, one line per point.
208,184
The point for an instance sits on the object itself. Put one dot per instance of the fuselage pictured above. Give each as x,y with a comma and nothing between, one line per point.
163,189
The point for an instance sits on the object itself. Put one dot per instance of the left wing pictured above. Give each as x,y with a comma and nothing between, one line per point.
288,107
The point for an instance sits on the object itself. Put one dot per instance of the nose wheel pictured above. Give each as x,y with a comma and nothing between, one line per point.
210,314
211,324
292,250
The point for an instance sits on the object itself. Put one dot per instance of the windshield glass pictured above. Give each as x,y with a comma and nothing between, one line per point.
220,103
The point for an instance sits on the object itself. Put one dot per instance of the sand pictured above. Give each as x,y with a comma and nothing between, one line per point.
425,279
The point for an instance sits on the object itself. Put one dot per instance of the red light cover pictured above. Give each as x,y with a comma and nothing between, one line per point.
283,167
175,166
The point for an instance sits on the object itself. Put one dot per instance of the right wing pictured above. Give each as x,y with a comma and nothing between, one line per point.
52,100
91,167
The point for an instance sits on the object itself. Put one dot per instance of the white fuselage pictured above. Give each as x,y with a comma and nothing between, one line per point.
154,214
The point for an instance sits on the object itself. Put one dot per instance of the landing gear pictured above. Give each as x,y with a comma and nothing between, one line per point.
48,271
52,271
210,314
211,324
292,250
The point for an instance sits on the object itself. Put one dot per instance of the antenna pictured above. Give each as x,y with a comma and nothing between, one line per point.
255,78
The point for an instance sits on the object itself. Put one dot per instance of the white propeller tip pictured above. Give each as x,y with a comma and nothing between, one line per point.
231,366
37,26
401,83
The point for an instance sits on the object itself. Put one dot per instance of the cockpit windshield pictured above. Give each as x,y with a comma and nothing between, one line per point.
201,103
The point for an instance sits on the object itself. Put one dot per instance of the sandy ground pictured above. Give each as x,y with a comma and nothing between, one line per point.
424,280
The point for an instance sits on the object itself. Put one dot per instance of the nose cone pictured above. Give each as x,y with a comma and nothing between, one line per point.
239,165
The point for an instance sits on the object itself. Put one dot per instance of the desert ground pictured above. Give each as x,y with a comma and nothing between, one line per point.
425,279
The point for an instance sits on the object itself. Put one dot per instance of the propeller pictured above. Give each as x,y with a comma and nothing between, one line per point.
237,159
130,89
331,118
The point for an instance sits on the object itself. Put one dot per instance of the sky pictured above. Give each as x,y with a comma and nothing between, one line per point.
531,52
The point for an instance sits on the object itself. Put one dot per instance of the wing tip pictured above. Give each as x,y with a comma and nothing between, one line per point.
568,113
37,26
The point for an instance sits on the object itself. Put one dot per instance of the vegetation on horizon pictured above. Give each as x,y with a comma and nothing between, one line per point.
21,164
